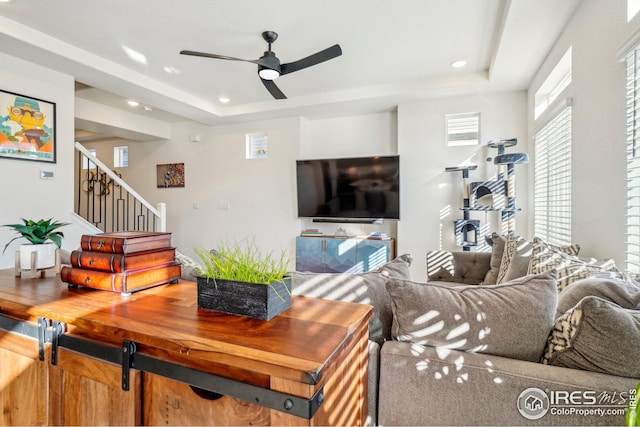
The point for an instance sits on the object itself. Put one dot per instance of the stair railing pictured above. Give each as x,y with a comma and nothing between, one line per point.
110,204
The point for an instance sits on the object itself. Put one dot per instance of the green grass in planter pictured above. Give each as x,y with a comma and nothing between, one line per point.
243,263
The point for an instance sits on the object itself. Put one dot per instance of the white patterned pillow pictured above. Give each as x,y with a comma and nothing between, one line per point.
515,259
570,268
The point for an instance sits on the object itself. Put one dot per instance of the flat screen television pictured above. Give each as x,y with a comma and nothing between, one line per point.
349,188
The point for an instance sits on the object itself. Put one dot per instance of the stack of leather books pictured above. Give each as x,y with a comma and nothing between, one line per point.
123,262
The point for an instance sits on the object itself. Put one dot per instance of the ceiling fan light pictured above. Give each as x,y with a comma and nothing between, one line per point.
268,74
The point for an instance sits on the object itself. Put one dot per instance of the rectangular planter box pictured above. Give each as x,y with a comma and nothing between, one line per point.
244,299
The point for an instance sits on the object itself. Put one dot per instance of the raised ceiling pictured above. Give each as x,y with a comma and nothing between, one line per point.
393,52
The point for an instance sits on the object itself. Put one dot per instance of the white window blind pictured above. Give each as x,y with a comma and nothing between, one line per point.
121,157
463,129
633,162
552,179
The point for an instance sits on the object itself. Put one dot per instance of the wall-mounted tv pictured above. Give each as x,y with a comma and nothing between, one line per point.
350,188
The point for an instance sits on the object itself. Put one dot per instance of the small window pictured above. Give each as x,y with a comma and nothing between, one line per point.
256,145
86,163
556,82
120,157
463,129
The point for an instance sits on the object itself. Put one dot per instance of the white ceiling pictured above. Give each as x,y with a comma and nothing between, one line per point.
393,52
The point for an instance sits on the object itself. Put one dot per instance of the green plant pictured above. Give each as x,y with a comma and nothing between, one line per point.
37,232
243,262
632,418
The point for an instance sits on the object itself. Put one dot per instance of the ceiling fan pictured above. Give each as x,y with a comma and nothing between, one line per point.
269,66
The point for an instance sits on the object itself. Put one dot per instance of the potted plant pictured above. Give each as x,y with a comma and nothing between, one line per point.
240,279
38,233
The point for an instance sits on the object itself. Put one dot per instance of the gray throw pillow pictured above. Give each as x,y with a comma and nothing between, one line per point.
497,249
511,319
364,288
596,335
625,293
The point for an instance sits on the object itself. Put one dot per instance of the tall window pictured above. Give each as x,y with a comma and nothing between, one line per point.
633,161
552,156
552,179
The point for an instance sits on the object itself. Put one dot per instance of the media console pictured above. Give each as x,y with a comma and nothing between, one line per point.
331,254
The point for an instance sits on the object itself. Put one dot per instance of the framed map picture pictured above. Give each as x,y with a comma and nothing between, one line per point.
27,128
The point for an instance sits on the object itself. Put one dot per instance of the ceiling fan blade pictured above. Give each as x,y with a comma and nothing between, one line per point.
316,58
273,89
212,55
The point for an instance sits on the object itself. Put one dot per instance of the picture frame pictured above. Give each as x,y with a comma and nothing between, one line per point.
27,128
170,175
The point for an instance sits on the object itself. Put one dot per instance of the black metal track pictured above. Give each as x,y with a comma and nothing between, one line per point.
129,358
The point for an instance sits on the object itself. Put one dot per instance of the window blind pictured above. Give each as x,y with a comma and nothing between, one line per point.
552,179
633,162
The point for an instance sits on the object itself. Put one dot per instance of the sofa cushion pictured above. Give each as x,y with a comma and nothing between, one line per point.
498,243
460,267
365,288
511,319
596,335
625,293
570,268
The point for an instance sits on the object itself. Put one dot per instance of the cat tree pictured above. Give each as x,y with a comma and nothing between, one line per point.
498,195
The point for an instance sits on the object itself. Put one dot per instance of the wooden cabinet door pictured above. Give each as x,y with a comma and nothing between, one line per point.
310,254
372,254
23,382
88,391
325,255
169,402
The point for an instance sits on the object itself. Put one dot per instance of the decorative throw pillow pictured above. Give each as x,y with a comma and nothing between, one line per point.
511,319
570,268
365,288
596,335
497,250
625,293
515,259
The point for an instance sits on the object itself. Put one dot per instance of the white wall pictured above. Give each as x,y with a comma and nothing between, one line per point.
24,194
596,32
431,197
261,194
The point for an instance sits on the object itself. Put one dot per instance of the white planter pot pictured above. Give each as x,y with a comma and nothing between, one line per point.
45,256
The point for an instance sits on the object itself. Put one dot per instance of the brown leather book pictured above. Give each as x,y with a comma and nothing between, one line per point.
125,242
121,282
120,263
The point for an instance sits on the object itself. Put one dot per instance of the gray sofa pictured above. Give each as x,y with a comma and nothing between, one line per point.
459,350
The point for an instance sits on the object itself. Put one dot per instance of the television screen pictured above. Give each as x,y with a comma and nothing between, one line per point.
363,187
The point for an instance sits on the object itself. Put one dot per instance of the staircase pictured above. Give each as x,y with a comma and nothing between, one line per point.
108,203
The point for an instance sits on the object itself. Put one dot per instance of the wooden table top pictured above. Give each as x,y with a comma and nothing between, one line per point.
298,344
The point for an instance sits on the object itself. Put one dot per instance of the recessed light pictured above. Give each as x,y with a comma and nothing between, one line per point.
133,103
147,108
458,64
224,100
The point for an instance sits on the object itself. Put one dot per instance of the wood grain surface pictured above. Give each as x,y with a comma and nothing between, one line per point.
300,344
